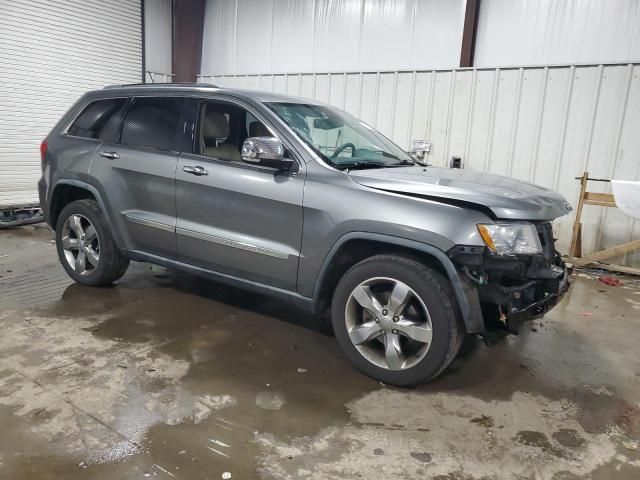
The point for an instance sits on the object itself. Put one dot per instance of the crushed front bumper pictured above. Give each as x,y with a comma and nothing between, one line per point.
544,299
512,289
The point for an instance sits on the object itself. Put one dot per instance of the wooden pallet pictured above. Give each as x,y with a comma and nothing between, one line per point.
575,252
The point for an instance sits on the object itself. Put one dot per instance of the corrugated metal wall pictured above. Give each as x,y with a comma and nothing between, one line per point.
53,52
544,125
291,36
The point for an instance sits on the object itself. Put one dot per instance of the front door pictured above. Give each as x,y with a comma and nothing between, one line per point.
138,174
233,217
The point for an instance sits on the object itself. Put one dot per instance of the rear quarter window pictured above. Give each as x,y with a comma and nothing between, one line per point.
100,119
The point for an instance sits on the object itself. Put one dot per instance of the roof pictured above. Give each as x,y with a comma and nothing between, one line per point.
163,85
255,95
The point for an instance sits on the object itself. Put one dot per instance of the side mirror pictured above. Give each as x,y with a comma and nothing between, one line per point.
267,151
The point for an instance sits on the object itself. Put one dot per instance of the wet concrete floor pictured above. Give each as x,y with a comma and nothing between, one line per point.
170,376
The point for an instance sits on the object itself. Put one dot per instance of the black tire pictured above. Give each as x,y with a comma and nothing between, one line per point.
111,264
434,291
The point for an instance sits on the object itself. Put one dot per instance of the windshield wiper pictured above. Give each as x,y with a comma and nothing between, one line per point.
405,162
422,163
361,164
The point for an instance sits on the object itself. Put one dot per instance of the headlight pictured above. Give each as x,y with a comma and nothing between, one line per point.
511,238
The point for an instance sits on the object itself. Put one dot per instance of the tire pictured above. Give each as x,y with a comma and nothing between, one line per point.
102,269
428,290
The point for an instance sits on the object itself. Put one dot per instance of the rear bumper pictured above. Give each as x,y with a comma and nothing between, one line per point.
42,196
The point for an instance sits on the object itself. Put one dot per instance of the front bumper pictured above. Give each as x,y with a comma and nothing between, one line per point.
544,299
513,289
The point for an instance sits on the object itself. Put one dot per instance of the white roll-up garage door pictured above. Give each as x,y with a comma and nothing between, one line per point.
51,52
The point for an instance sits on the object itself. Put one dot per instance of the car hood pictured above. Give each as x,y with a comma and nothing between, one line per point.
506,197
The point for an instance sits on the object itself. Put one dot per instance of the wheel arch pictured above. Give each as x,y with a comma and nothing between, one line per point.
354,247
66,191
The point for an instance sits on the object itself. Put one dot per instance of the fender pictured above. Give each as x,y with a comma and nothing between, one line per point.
90,188
466,294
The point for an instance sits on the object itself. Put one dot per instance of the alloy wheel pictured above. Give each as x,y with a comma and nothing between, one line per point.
388,323
80,244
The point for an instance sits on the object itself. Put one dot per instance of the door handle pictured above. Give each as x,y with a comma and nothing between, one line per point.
110,155
197,170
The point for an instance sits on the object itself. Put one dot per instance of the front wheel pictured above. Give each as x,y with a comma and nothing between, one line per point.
86,247
396,319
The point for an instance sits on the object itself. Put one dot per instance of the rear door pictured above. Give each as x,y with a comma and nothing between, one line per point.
233,217
137,174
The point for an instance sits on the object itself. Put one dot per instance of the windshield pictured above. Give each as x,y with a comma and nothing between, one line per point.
340,139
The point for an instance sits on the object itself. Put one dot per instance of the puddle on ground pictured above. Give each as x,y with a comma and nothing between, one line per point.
436,437
173,376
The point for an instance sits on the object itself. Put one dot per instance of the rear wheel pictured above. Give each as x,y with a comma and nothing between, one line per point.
86,247
397,320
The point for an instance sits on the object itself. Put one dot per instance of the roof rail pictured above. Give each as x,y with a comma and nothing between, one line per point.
163,85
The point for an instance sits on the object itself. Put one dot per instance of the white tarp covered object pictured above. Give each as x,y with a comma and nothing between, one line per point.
293,36
627,196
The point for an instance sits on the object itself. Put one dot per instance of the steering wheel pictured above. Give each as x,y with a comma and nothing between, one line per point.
339,150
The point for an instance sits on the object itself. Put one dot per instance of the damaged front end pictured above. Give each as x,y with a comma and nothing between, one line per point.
514,286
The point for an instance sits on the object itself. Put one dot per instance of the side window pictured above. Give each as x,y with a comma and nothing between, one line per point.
152,122
255,128
223,127
100,119
218,133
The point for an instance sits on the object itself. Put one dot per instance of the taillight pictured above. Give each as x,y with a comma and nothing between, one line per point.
43,152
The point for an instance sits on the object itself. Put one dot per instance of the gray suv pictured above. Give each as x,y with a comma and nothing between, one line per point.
300,200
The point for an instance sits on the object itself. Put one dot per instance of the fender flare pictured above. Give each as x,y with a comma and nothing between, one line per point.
91,189
465,293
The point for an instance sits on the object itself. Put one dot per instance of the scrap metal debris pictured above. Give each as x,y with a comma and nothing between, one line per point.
484,420
218,442
164,470
218,452
609,280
